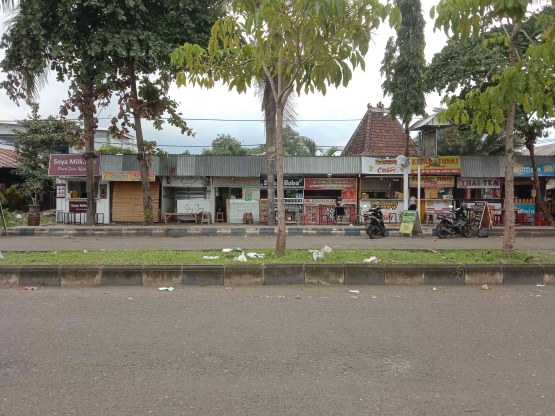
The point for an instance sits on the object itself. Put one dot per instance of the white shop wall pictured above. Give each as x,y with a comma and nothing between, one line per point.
187,194
102,205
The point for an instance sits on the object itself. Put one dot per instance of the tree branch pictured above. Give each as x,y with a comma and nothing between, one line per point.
528,37
490,71
270,79
509,36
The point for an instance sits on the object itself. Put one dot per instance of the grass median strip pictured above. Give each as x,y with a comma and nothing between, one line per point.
153,257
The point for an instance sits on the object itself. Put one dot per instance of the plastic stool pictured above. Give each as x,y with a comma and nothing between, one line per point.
539,219
220,217
498,219
428,217
206,217
247,218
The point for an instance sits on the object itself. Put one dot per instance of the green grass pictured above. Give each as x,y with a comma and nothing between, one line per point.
13,221
152,257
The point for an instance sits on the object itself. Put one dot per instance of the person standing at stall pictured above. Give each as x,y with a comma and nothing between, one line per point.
339,208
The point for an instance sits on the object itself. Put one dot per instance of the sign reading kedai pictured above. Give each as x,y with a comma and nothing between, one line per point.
71,165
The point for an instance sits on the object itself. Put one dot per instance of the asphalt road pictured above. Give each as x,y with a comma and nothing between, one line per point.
253,242
259,351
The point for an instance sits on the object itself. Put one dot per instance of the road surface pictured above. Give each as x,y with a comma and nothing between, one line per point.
260,351
253,242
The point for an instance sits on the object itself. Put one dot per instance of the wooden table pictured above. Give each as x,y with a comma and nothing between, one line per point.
168,215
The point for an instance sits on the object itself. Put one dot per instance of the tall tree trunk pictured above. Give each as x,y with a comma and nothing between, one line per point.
88,125
141,154
406,172
539,199
270,120
509,231
281,236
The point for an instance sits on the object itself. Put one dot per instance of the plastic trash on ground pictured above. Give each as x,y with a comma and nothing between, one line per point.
167,289
227,250
1,256
241,258
228,289
435,289
210,257
238,249
326,249
372,259
318,255
354,291
485,287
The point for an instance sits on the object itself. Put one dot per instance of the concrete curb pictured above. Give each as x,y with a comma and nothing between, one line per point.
357,231
277,274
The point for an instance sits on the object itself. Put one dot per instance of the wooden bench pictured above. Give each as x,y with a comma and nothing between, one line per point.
195,215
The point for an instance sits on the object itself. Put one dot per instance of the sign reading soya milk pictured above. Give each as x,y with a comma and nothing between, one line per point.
71,165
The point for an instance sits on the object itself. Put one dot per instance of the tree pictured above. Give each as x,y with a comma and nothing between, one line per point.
186,153
330,151
33,146
297,45
403,66
526,80
115,150
226,145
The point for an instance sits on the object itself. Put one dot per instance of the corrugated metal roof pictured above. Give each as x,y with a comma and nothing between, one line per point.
336,165
125,163
7,159
482,166
430,123
539,159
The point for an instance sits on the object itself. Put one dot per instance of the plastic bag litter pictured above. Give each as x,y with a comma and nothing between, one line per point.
252,255
237,249
485,287
354,291
256,255
434,289
241,258
326,249
1,256
372,259
318,255
210,257
227,250
167,289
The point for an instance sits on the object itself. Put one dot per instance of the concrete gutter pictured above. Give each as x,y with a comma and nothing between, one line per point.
277,274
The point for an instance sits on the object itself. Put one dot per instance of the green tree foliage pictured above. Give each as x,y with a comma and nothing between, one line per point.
526,81
226,145
298,45
403,67
33,146
115,150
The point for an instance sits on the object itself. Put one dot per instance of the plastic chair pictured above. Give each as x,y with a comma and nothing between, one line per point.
539,219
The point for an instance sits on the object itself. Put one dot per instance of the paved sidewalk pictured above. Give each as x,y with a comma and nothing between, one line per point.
181,230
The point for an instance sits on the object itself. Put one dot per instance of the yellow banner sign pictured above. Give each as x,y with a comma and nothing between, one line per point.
126,176
438,165
432,181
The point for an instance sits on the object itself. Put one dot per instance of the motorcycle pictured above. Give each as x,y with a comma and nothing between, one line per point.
373,222
455,223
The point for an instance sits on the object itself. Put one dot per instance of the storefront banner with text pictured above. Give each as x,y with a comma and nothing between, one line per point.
381,166
432,181
71,165
330,183
544,169
479,183
126,176
440,165
235,182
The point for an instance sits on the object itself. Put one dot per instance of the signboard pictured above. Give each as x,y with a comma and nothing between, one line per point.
126,176
388,206
525,169
482,214
288,183
349,196
441,165
71,165
316,201
235,183
478,183
237,207
103,193
251,194
78,206
330,183
381,166
529,209
432,181
438,206
60,190
410,223
188,181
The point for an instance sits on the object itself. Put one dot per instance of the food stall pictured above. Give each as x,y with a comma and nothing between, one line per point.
294,192
320,195
236,196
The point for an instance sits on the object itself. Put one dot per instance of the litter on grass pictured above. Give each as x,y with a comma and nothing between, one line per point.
372,259
1,256
241,258
227,250
326,249
318,255
256,255
210,257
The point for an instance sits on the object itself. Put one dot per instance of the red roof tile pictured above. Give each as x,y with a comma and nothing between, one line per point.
7,159
378,135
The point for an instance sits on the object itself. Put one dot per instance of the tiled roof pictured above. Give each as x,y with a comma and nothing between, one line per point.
378,135
7,159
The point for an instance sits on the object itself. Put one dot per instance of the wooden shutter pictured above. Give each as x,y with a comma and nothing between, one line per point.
127,205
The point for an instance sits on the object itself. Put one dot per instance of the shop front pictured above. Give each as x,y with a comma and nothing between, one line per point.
127,196
71,189
321,196
186,195
235,196
294,194
525,194
381,185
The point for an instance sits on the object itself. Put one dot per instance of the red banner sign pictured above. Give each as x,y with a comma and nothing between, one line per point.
77,206
71,165
330,183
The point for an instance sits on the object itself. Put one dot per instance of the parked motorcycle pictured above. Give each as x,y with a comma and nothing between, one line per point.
454,223
373,222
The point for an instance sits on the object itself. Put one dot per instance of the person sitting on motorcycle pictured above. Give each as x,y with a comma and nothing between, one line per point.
412,203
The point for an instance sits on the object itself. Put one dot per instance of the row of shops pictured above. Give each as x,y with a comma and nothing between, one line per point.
232,186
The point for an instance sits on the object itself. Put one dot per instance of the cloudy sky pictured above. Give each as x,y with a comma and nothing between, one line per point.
219,103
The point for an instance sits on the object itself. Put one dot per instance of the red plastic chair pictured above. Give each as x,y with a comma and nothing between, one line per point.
539,219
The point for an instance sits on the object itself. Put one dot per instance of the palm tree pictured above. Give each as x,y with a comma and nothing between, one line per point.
330,151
